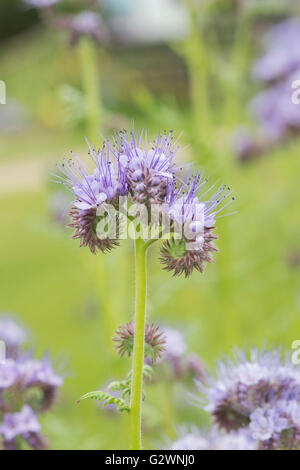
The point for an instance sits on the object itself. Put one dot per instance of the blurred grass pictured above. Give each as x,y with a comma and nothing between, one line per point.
248,297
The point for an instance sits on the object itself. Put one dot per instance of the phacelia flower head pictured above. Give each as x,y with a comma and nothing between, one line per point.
149,166
145,174
154,340
85,23
94,192
244,385
22,424
12,335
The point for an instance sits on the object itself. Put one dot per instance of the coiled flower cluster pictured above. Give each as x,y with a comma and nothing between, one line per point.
138,181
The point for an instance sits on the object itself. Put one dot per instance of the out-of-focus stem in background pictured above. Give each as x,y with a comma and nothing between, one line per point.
239,64
196,57
91,86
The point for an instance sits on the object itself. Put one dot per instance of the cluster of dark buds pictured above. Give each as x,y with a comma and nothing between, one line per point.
28,387
154,340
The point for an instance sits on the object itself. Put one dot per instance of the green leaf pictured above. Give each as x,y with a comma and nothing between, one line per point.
107,399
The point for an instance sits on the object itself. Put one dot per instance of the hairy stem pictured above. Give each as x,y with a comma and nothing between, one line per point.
91,85
138,351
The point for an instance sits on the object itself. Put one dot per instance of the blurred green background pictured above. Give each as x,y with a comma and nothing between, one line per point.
71,300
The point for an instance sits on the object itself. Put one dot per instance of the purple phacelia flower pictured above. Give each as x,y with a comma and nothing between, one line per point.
275,110
149,166
244,385
277,425
214,440
12,335
175,345
33,373
41,3
282,55
85,23
93,191
147,175
22,424
176,358
8,373
193,217
245,145
190,441
234,440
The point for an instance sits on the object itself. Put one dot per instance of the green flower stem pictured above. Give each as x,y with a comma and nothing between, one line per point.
240,60
138,351
91,85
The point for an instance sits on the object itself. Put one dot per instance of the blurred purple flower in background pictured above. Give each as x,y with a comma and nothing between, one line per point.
8,374
245,145
22,424
275,110
85,23
12,335
214,440
27,387
181,364
277,116
282,56
41,3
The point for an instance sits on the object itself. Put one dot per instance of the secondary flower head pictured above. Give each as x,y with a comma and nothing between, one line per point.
193,216
12,335
22,424
244,385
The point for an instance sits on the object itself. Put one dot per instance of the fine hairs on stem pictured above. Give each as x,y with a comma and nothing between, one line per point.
138,351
